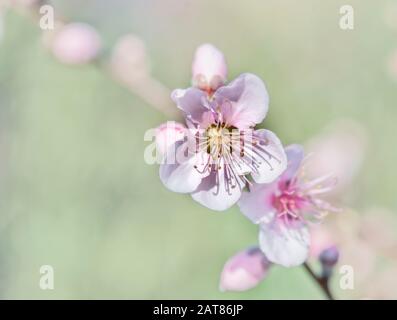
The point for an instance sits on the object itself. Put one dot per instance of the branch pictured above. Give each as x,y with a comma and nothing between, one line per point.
323,282
147,88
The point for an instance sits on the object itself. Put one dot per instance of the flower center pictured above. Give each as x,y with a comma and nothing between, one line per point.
219,140
288,204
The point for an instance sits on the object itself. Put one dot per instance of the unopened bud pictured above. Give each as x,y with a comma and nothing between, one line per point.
209,68
244,270
329,258
76,43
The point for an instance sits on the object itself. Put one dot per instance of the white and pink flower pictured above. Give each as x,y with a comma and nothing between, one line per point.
221,148
284,208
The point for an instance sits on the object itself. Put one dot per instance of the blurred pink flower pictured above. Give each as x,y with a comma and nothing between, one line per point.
339,149
76,43
361,257
244,270
374,228
209,68
382,285
378,228
283,209
340,233
363,241
368,243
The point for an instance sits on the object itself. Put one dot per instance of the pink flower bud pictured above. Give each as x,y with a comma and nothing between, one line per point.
167,134
76,43
209,68
244,270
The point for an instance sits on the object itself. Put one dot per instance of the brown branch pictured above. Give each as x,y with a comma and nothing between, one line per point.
323,282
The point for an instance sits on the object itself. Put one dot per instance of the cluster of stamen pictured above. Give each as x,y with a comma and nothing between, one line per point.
288,202
236,152
298,196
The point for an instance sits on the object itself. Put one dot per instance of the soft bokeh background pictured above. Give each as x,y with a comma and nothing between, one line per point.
75,192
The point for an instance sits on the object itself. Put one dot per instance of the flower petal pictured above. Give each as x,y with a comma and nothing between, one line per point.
272,157
256,205
182,176
245,101
295,155
191,101
287,245
212,192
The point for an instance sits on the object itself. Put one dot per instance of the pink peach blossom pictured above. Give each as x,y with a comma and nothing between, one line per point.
221,148
284,208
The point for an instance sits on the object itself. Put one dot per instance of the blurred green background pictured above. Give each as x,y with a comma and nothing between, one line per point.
75,192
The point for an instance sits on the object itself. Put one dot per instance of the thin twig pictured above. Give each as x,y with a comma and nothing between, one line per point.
322,282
